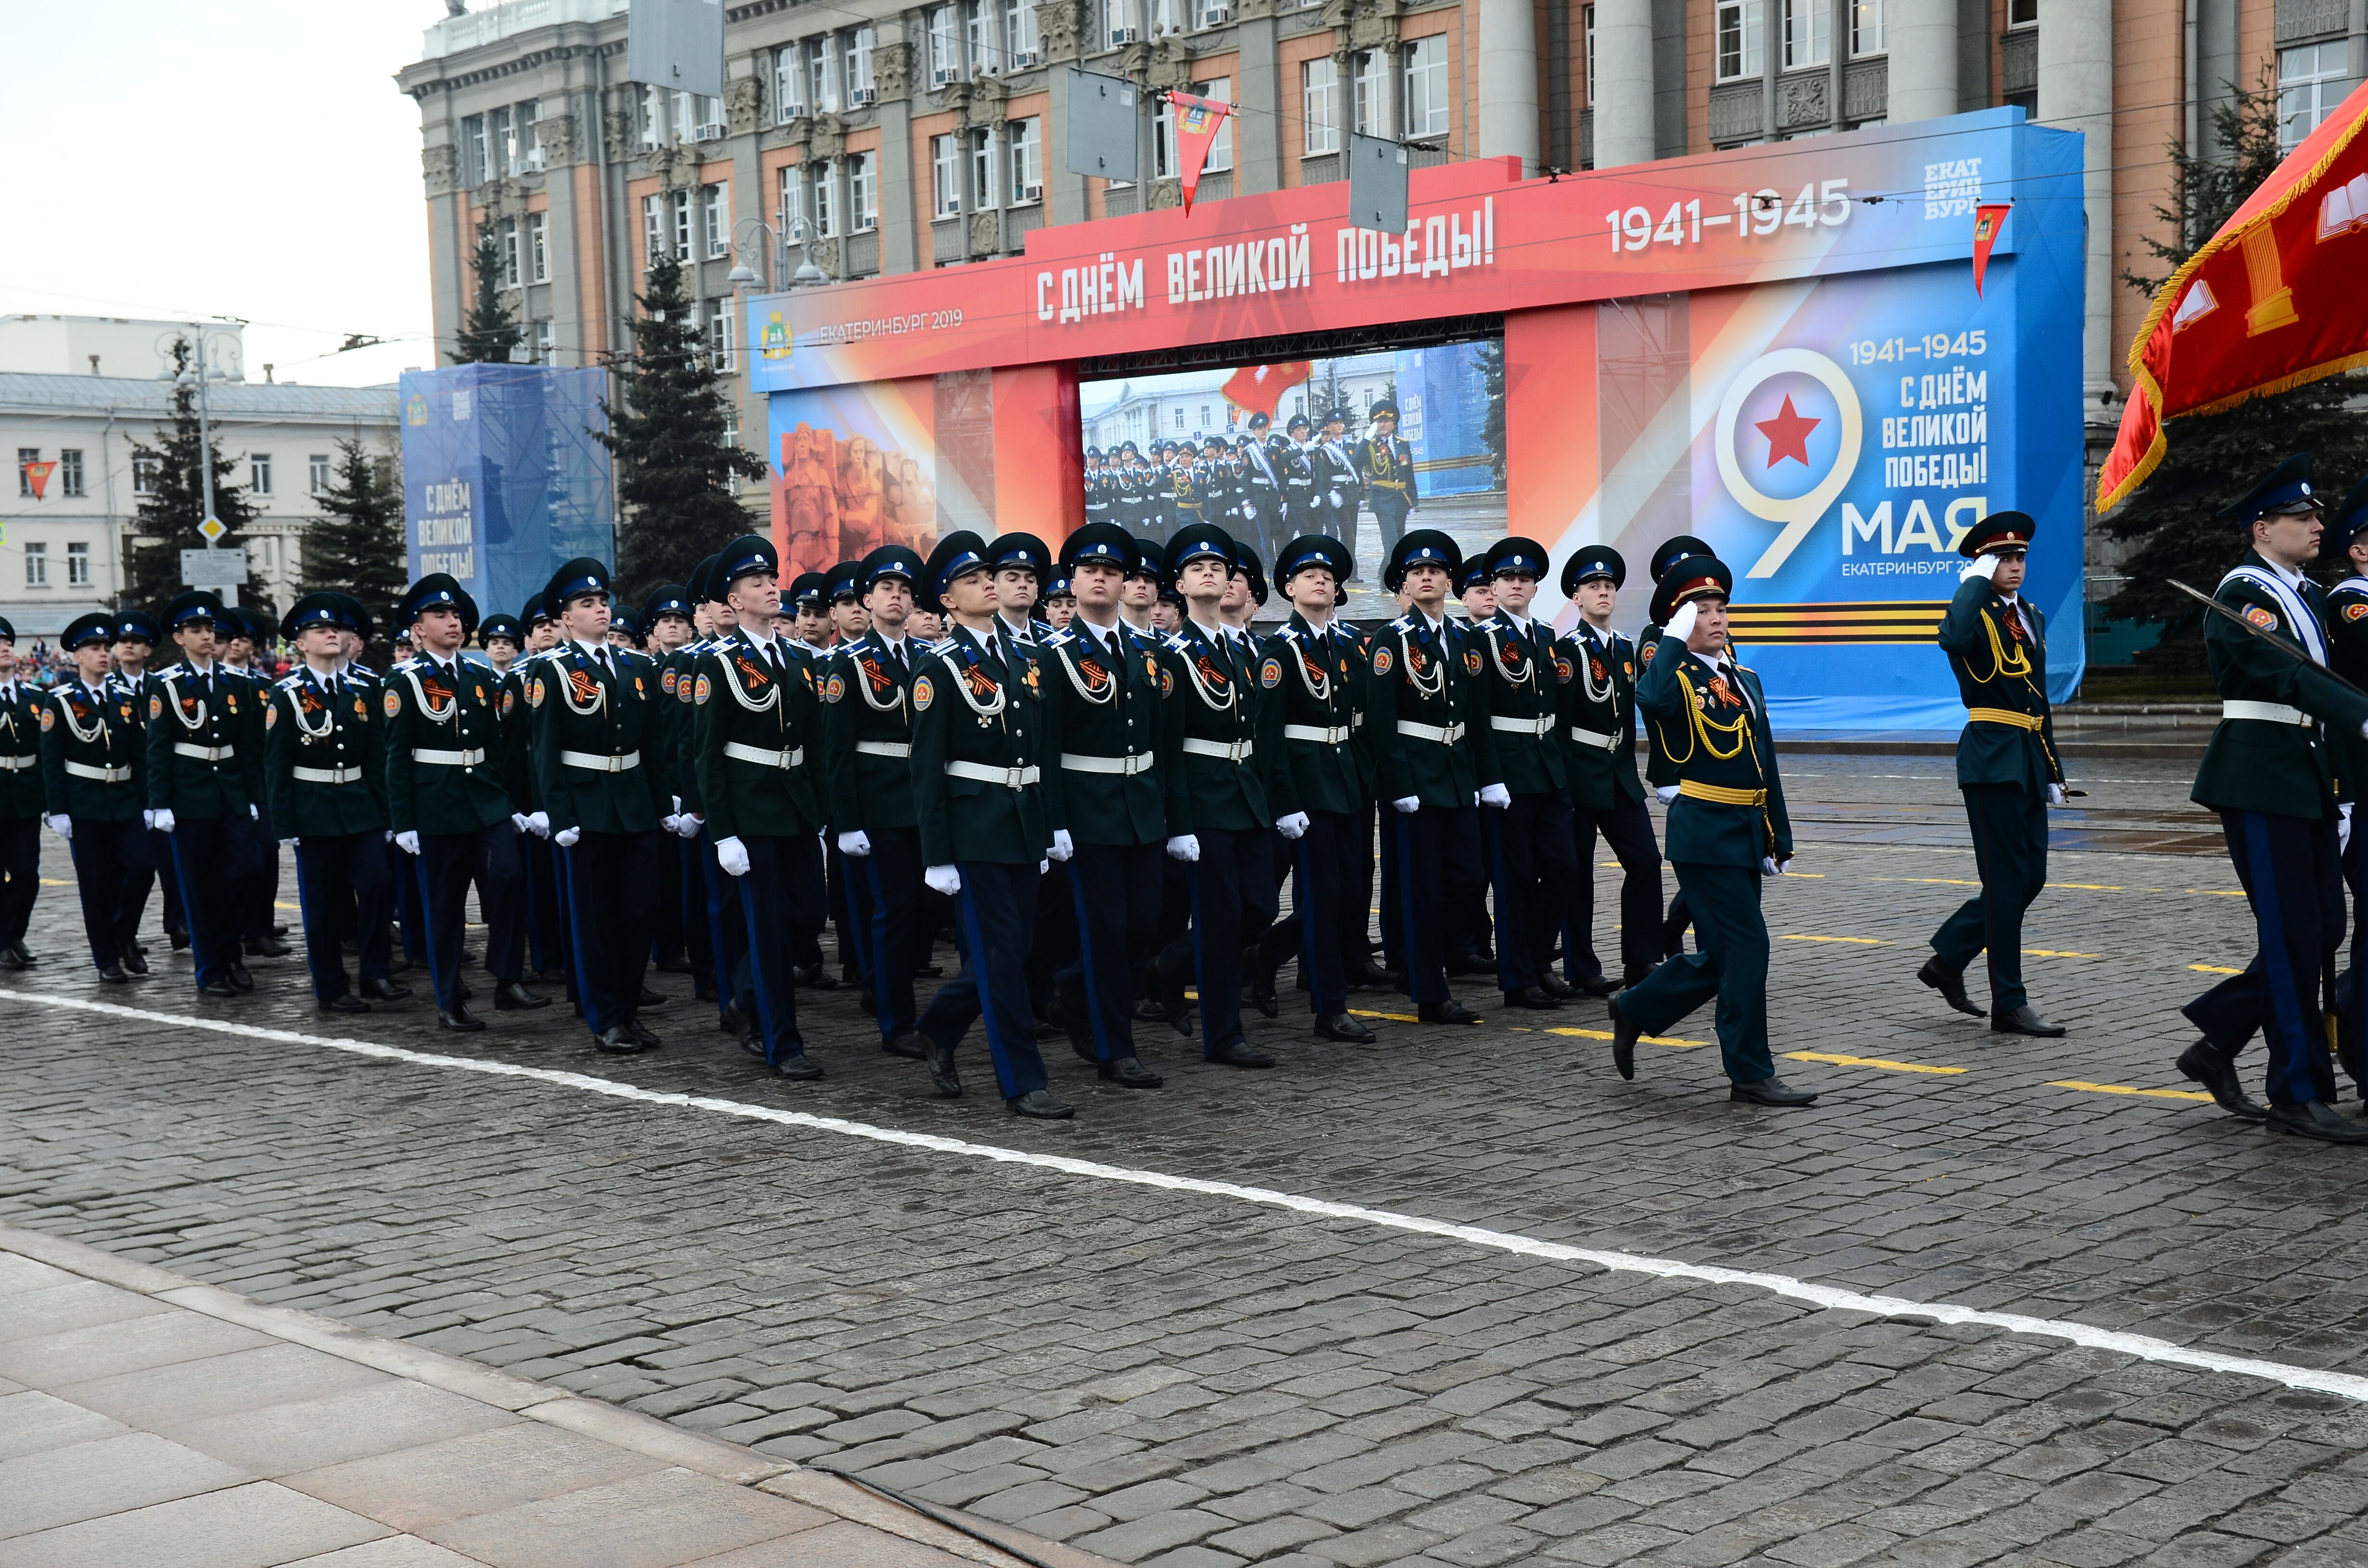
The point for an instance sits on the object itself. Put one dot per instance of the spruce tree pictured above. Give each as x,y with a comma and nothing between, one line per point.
357,545
175,504
2213,458
674,464
1492,427
492,329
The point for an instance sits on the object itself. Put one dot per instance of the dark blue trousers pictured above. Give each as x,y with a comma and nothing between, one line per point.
780,903
1325,928
411,920
169,881
611,878
1532,864
2293,877
1434,869
1627,829
447,863
1116,890
1233,901
260,897
883,892
212,856
994,914
114,865
727,928
546,940
21,876
1731,965
343,888
2009,827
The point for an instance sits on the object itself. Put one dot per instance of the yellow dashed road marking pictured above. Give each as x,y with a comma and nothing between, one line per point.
1876,1062
1648,1039
2127,1089
1856,941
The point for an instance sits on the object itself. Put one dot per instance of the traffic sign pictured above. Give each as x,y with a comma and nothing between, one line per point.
213,568
213,530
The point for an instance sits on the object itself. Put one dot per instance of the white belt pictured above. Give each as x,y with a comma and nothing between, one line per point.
1124,767
103,775
1009,777
459,758
1540,727
328,775
1316,733
203,754
1232,750
1594,738
2267,713
758,755
885,748
1447,736
597,762
19,763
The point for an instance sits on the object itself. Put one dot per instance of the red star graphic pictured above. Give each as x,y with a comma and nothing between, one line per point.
1788,434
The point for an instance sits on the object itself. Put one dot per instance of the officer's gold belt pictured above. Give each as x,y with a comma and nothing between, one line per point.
2031,721
1721,794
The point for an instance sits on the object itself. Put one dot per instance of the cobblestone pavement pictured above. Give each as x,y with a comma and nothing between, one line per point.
1179,1379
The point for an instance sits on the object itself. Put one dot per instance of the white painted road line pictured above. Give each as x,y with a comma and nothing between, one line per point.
2145,1348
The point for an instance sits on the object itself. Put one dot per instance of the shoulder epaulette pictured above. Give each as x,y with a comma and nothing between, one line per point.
1175,643
1059,639
1403,623
289,682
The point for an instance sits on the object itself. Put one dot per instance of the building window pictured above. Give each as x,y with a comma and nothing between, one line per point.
1808,39
1365,86
1027,160
789,85
538,231
37,566
544,340
320,469
78,565
864,191
507,235
2311,81
1166,16
144,474
1741,48
1320,98
2022,12
980,28
258,473
1179,417
858,63
1221,150
666,224
70,482
1866,27
945,47
504,144
525,139
981,173
1426,86
649,112
792,206
945,171
715,218
26,457
475,167
822,210
1587,22
1019,31
722,345
822,76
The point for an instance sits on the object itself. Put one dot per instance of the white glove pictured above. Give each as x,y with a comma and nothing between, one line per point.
1044,868
1333,496
2055,797
946,880
254,813
855,842
678,806
1063,844
688,824
161,819
1249,511
1496,795
148,819
62,824
539,824
733,856
1981,566
1292,825
566,837
1668,792
2342,828
671,822
1407,803
407,841
521,822
1681,625
289,842
1184,846
1769,868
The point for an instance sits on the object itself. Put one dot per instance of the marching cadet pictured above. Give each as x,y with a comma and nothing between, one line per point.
848,620
2270,771
1465,924
539,888
1022,563
20,804
239,634
979,797
2347,635
1060,606
90,740
1187,475
809,600
202,785
866,749
1295,461
1096,498
1217,817
1528,831
1432,753
1660,773
1312,682
1386,470
1728,831
503,639
1596,667
325,775
2006,769
667,613
1139,595
757,741
1336,485
446,802
594,712
136,637
1263,512
717,926
1102,716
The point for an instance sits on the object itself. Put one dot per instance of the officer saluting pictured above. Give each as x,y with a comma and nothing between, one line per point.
90,742
202,785
1385,467
1727,830
2006,767
1596,667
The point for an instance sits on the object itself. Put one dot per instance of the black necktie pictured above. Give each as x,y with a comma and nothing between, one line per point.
902,668
773,658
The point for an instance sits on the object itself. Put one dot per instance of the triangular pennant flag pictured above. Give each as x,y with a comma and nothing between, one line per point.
38,474
1198,122
1988,219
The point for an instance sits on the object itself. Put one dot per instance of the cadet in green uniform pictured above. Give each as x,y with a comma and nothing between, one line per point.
2347,639
1528,829
1996,643
2271,771
135,647
90,779
201,784
1660,773
978,793
545,946
1727,830
20,804
1597,669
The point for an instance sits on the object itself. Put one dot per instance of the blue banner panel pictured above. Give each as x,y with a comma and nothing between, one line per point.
1443,414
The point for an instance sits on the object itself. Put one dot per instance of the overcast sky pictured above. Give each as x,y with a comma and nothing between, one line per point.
192,158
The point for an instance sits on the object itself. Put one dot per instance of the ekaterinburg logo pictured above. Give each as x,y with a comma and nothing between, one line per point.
1788,439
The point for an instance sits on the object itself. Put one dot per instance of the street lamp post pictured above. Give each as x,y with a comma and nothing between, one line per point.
197,375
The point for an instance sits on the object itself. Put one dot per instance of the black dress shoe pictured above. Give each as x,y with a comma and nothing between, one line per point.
1128,1073
1533,998
113,974
617,1041
1262,972
649,998
2204,1065
930,971
1624,1036
266,947
801,1067
510,996
2022,1020
2317,1119
9,959
345,1003
640,1031
1448,1012
179,936
214,988
1340,1026
753,1042
1084,1050
1467,963
817,978
385,991
1775,1091
279,930
1047,1029
1636,976
674,966
940,1059
1950,984
559,977
911,1047
1604,985
1240,1053
729,1021
1175,1006
23,956
869,1002
459,1020
1148,1011
1555,986
239,978
1041,1105
1370,976
134,962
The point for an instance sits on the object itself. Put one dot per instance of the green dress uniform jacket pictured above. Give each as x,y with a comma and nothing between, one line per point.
1521,697
595,735
443,749
978,754
756,740
1597,673
867,734
136,692
90,751
1421,703
678,680
2274,756
518,742
1214,775
1730,805
200,762
2347,637
1312,685
20,752
324,759
1104,727
2009,735
1659,771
